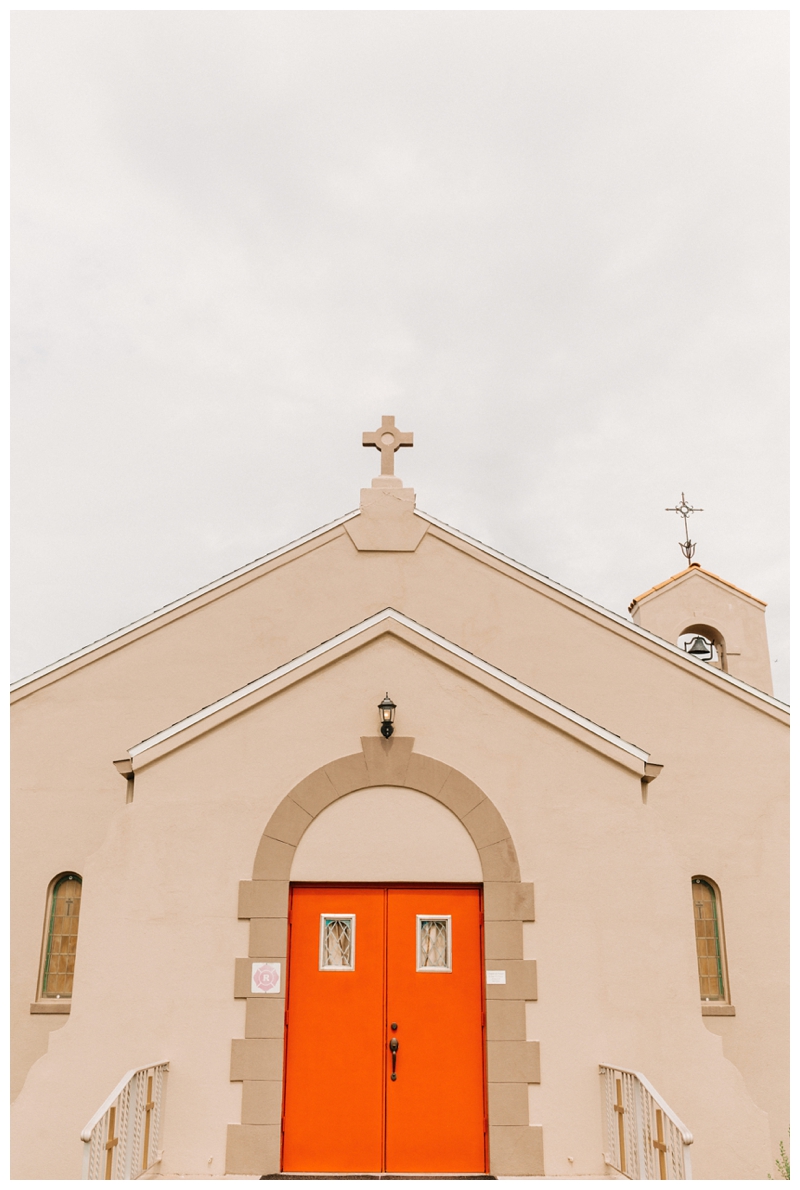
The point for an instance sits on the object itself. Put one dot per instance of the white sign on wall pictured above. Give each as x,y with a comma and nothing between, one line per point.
265,978
495,976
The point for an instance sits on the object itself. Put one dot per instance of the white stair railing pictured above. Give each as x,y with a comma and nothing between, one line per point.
123,1136
645,1140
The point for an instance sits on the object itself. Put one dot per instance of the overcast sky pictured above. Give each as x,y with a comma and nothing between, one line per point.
554,245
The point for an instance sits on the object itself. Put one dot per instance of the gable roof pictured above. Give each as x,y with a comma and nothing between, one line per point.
390,620
615,618
178,603
608,617
691,569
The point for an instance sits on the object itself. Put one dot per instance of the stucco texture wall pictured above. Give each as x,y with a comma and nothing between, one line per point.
613,937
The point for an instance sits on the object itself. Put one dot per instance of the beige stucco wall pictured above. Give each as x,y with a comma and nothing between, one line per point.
720,803
386,834
613,937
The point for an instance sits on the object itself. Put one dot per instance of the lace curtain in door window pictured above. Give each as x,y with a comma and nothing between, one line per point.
433,943
337,942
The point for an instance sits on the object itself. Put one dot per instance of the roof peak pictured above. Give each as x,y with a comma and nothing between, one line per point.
693,566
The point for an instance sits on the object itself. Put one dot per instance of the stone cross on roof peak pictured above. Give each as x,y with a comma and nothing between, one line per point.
386,519
387,439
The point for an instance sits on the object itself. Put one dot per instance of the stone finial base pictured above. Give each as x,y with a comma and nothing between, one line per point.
387,520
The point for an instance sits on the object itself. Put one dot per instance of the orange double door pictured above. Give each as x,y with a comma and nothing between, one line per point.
385,1031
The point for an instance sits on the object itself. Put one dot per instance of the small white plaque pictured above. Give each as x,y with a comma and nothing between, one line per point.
495,976
265,978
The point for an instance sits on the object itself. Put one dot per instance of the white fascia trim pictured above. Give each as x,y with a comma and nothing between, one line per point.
389,613
603,611
169,607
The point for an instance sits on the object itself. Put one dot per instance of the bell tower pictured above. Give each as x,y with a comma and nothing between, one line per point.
696,603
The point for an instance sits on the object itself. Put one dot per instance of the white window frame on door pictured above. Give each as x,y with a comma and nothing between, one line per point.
323,917
421,917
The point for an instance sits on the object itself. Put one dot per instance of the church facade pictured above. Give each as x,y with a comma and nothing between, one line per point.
406,859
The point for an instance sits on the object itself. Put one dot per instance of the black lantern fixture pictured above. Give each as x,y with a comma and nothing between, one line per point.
387,709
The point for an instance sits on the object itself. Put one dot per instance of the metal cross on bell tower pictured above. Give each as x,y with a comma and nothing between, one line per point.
685,510
387,439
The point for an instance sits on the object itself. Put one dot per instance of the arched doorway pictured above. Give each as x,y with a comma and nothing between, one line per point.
384,1067
257,1060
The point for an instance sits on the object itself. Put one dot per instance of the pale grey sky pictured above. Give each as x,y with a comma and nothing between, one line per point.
554,245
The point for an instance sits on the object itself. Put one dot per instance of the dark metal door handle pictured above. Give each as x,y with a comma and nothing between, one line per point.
394,1045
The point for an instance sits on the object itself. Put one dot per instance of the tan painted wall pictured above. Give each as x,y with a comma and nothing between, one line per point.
613,937
719,801
386,834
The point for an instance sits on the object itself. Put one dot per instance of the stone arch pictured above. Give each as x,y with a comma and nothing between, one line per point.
515,1148
388,762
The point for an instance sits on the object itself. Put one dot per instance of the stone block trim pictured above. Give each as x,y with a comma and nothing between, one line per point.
252,1148
289,822
513,1062
499,861
515,1149
521,982
315,793
350,773
261,1103
243,972
257,1059
268,935
387,760
263,898
508,902
508,1104
485,824
502,940
265,1017
273,859
505,1020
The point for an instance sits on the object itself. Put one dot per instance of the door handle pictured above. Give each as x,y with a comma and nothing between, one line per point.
394,1046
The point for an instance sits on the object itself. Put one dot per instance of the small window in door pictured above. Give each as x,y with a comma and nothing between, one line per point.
434,944
337,942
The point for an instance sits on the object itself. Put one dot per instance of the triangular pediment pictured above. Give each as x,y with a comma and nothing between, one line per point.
419,637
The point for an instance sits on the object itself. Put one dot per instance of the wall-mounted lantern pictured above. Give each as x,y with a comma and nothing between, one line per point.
387,709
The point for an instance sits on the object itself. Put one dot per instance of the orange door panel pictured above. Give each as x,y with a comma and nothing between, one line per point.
362,959
333,1106
435,1105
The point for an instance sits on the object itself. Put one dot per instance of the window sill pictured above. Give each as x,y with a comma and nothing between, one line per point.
712,1009
51,1006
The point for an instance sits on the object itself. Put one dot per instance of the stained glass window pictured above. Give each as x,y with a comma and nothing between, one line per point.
62,937
707,935
433,944
337,943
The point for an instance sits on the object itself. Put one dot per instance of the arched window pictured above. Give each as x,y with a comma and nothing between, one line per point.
709,940
61,937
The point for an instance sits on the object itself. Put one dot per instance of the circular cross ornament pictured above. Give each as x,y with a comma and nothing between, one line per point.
387,439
